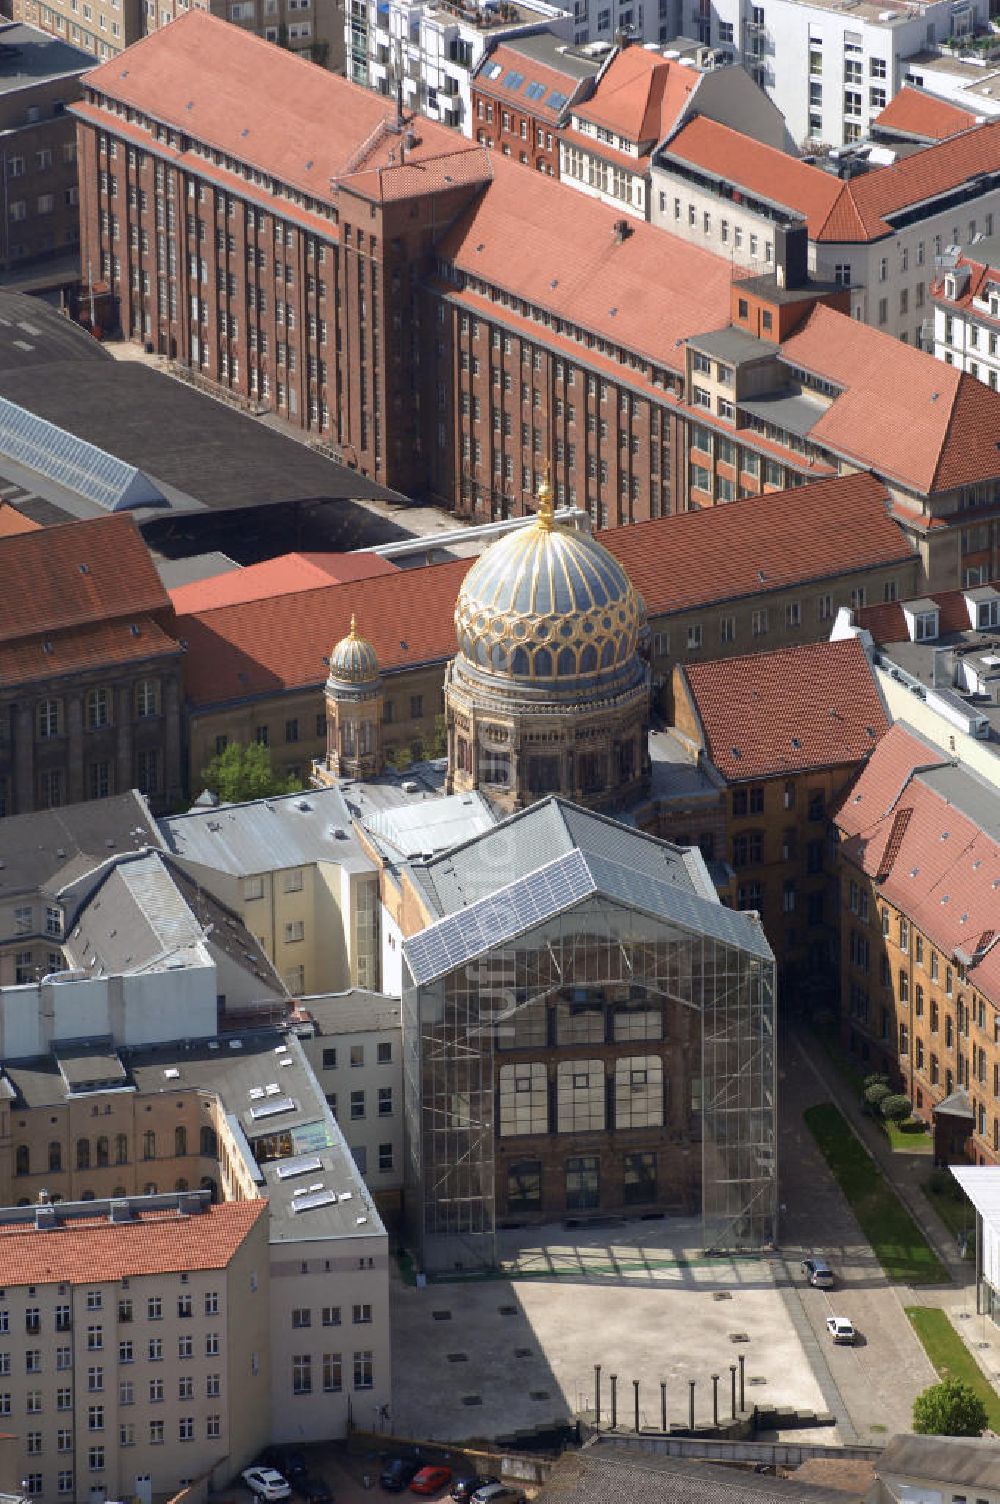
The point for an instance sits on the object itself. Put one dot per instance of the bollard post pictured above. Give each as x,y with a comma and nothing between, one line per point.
663,1405
715,1399
732,1387
614,1401
743,1401
635,1387
691,1384
597,1396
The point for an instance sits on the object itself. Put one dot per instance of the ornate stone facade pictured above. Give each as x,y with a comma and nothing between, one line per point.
354,705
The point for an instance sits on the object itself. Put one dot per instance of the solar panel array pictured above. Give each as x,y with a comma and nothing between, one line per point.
490,921
71,461
672,901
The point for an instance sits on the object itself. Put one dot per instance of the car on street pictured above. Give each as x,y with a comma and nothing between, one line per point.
313,1490
398,1473
431,1479
464,1488
266,1483
840,1329
498,1493
818,1272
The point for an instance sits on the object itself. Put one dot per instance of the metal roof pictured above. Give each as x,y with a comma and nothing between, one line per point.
266,835
981,1183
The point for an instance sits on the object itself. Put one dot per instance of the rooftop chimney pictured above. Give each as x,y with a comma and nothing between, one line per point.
791,253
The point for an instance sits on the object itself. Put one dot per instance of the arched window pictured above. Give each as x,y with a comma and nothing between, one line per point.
83,1153
543,663
180,1141
149,1144
208,1142
87,1196
121,1149
181,1185
21,1160
588,659
208,1184
103,1153
118,1192
567,663
55,1156
149,1189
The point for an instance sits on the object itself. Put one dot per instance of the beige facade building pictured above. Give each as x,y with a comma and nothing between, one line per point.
133,1343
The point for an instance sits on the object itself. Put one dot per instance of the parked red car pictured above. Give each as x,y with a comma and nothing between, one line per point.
430,1479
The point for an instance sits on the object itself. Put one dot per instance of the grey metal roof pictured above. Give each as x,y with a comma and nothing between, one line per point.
38,57
354,1012
952,1460
969,792
545,47
795,412
419,827
266,835
44,851
137,920
734,345
561,855
957,1104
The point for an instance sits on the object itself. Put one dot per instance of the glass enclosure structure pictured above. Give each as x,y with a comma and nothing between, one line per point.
588,1040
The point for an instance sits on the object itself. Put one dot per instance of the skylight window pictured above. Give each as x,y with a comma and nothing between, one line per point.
492,70
534,90
513,81
556,101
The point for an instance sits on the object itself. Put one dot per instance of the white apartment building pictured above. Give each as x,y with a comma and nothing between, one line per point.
830,68
878,231
426,50
134,1344
966,299
354,1047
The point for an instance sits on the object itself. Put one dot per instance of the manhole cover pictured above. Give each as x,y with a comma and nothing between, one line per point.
508,1310
472,1399
458,1357
739,1336
522,1352
538,1394
756,1379
965,1315
441,1315
723,1295
983,1346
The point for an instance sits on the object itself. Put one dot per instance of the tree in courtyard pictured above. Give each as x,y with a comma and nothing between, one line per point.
951,1408
876,1093
895,1109
239,773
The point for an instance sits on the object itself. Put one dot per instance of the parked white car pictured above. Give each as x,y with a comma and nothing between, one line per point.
266,1483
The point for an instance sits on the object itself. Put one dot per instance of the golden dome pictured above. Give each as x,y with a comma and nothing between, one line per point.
353,660
548,606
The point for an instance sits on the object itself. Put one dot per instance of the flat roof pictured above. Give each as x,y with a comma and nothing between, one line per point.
29,56
356,1011
554,52
797,412
734,345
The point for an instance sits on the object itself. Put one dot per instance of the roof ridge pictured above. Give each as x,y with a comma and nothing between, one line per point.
960,389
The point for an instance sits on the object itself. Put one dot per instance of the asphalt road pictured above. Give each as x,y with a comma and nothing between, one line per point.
878,1379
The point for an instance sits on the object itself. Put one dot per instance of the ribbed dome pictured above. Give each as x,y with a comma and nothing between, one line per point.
353,660
547,605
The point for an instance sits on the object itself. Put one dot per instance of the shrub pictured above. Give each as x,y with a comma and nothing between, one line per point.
895,1109
876,1093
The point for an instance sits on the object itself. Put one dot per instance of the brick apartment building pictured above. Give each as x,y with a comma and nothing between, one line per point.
522,92
920,962
90,677
39,77
786,732
361,284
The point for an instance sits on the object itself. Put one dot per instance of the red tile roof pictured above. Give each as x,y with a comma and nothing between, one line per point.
858,209
510,60
12,521
830,528
931,860
74,574
648,292
980,273
902,413
888,624
911,112
93,645
279,576
92,1251
280,643
815,706
641,96
263,104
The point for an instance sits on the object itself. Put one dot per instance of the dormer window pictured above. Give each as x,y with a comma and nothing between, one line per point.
925,626
988,614
994,303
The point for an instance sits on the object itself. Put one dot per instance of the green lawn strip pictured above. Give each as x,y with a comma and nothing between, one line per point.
952,1358
912,1136
956,1212
898,1243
